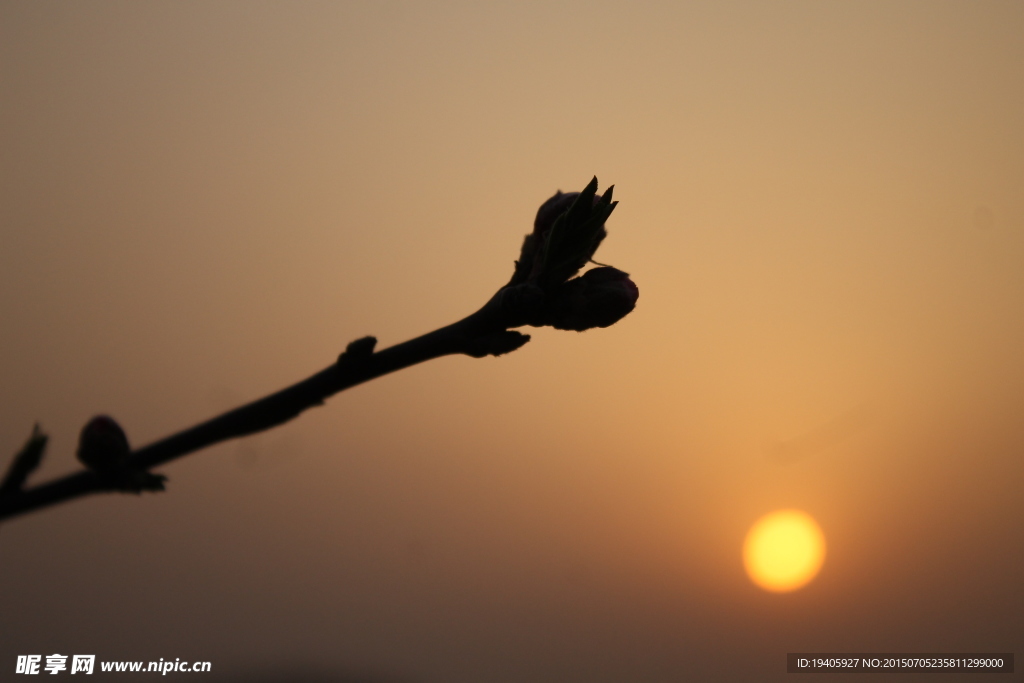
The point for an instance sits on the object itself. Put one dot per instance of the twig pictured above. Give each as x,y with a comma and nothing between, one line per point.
568,229
25,462
357,365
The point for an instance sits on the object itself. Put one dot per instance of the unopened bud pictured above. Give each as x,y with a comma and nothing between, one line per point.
567,231
103,445
601,297
551,210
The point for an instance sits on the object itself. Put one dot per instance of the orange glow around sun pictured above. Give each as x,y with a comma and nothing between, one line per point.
784,550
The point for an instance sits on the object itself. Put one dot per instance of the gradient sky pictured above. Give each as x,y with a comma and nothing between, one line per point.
821,203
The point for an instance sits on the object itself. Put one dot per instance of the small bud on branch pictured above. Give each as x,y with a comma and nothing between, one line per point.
103,447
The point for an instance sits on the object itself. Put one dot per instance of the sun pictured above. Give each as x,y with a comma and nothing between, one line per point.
784,550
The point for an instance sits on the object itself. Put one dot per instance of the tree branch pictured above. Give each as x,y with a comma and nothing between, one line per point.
357,365
538,294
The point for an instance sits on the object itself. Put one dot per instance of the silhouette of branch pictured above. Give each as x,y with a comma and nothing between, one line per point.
542,291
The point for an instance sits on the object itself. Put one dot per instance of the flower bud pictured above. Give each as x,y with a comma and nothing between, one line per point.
552,209
567,231
601,297
103,445
533,246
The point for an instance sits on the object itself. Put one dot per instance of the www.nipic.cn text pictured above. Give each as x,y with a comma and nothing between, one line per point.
86,664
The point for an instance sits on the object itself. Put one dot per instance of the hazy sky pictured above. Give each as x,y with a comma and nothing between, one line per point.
821,203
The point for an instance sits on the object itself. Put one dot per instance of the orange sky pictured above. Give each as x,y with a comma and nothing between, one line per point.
820,202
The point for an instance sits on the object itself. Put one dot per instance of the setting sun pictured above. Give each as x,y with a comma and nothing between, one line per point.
784,550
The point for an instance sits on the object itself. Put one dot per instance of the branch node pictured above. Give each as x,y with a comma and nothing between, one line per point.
521,304
133,480
358,350
496,344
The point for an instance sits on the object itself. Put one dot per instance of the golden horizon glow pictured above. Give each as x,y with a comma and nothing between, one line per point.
784,551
